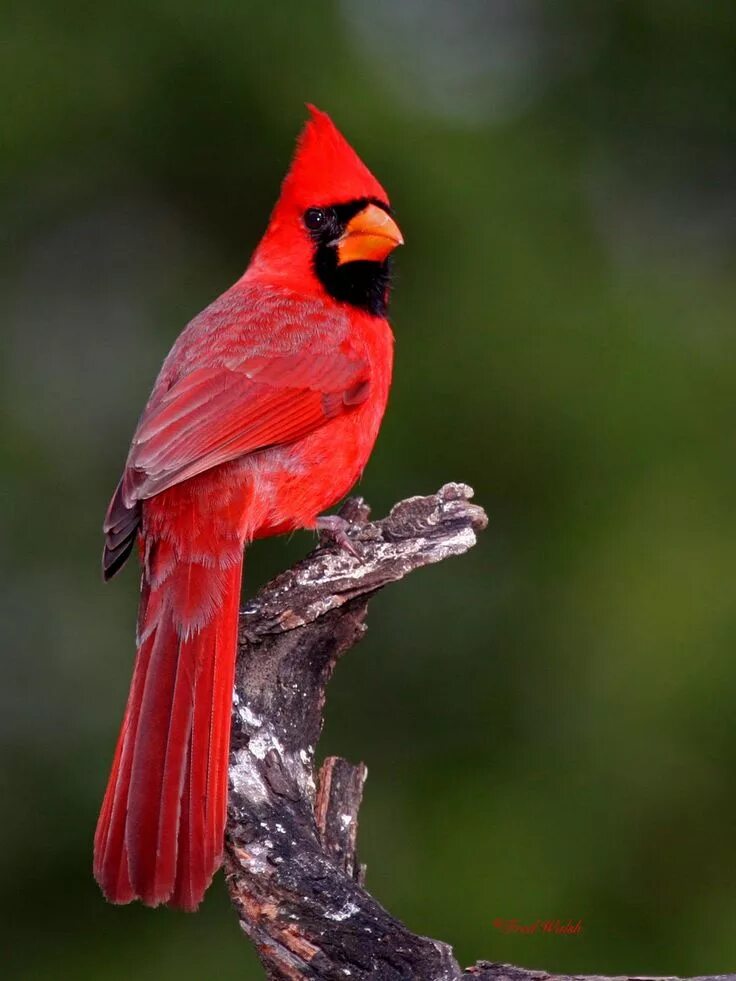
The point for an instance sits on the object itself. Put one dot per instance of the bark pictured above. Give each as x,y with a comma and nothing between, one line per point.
290,863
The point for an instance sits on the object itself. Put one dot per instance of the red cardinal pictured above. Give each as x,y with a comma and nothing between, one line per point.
263,416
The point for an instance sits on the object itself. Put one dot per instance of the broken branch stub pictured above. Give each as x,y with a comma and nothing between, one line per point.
290,863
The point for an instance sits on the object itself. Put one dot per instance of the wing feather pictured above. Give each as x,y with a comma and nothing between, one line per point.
218,413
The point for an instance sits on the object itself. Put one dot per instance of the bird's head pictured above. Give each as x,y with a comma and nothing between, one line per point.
332,229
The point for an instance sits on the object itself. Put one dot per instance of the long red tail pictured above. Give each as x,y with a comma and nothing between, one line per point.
160,832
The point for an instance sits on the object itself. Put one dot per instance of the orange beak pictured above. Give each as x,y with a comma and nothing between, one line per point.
371,235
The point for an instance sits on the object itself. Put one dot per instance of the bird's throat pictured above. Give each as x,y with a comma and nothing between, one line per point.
365,285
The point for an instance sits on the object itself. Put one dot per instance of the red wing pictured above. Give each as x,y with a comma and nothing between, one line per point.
216,414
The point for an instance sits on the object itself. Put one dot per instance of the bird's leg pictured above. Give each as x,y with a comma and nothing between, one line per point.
334,528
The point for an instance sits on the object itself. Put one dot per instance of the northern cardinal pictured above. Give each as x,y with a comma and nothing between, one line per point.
263,416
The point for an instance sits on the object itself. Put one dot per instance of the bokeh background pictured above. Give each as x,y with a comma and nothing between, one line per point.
549,721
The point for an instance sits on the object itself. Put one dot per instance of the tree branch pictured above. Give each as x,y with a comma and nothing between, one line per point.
290,861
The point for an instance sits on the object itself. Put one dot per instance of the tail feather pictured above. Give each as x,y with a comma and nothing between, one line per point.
157,771
160,832
204,800
193,878
110,852
220,738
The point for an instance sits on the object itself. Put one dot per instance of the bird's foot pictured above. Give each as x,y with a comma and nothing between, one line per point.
333,528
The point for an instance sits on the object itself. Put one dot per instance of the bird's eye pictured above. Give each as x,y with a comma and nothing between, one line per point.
314,219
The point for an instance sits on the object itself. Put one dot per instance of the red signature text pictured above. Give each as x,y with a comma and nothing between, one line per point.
562,928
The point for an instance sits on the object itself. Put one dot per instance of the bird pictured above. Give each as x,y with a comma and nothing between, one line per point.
262,418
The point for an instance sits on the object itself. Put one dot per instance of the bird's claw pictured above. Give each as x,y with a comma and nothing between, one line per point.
333,528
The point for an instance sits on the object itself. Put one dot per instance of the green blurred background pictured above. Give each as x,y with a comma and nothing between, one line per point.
549,721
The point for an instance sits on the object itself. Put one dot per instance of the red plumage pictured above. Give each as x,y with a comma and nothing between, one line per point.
262,417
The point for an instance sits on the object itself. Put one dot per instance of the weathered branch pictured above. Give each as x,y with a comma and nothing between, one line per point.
290,859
